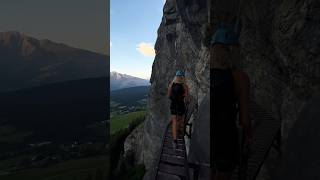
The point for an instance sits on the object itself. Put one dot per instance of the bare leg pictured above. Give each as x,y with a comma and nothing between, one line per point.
174,126
179,125
182,128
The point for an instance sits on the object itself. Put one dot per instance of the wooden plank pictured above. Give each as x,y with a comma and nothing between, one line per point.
175,170
170,141
173,152
165,176
173,159
179,141
167,138
170,136
170,145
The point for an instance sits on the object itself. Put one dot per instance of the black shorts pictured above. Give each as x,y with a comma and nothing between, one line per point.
177,108
225,151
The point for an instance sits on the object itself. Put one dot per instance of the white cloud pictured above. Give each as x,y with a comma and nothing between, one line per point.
146,49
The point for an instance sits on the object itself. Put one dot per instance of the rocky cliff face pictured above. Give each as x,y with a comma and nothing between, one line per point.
280,48
179,46
303,159
280,44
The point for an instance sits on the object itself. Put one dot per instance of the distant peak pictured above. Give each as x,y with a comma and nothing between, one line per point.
118,75
27,45
19,41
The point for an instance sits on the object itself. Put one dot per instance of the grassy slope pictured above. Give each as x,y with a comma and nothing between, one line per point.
120,122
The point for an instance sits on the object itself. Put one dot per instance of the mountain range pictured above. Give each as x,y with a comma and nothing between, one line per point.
59,112
121,81
27,62
129,96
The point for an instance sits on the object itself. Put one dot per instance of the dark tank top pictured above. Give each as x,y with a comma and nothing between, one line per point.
224,138
177,93
223,101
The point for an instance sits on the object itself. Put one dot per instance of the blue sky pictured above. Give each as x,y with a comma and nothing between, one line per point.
133,33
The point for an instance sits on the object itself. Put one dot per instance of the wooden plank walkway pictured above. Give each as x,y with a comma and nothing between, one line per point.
172,162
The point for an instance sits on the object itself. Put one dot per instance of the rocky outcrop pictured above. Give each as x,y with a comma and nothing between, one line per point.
280,49
280,45
131,146
302,158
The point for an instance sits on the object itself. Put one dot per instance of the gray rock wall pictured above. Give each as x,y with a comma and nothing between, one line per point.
302,159
280,45
280,48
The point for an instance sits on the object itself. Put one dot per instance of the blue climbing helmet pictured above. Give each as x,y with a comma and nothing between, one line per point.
225,34
180,73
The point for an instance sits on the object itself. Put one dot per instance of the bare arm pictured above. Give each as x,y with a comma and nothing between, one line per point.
186,90
169,90
186,93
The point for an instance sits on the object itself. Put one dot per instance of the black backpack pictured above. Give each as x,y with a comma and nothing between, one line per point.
177,92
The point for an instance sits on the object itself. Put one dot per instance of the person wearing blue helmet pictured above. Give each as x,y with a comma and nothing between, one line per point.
229,89
178,92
